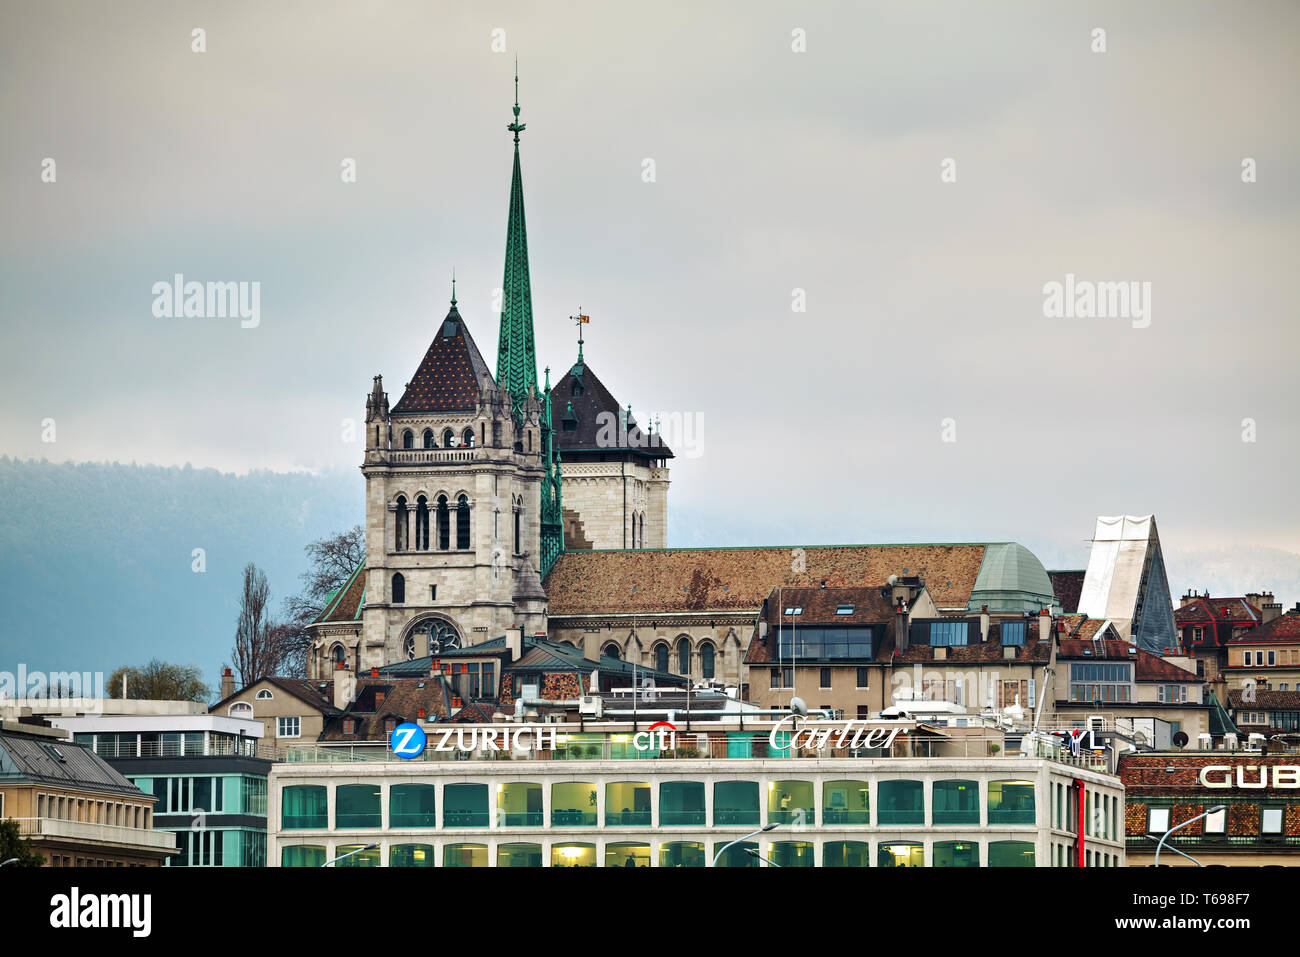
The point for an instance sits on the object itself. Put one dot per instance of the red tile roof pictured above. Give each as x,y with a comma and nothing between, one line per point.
1067,586
738,579
1149,667
1285,628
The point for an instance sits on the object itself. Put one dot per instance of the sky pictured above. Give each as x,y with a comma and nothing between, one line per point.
820,232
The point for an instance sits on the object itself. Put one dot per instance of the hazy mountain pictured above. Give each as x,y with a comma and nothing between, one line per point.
97,559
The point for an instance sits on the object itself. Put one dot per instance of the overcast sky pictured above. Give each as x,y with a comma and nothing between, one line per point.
774,171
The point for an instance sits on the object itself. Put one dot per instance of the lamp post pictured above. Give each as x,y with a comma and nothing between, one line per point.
368,847
723,848
1176,827
753,853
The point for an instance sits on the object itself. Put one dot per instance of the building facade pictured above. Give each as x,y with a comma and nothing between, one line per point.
594,800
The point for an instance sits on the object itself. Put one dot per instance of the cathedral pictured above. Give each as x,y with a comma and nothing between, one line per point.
498,509
477,483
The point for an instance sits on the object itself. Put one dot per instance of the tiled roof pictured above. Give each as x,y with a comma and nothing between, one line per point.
1033,650
593,402
1149,667
318,694
1285,628
50,761
648,581
345,604
452,376
1265,701
1067,586
402,700
821,604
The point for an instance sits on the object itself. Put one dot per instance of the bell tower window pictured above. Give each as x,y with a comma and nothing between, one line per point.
428,439
399,589
408,439
462,523
422,524
467,439
444,524
399,520
448,438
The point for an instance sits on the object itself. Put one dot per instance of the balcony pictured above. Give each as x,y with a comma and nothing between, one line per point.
627,818
80,832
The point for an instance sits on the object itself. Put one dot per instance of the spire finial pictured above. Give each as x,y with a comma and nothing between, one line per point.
580,320
453,285
516,127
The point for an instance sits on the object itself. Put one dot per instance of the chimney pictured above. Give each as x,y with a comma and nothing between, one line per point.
1188,598
435,667
515,642
984,623
345,686
227,684
422,714
1044,624
1270,609
900,625
374,672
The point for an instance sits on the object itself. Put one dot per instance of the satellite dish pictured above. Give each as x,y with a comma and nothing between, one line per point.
1181,739
797,706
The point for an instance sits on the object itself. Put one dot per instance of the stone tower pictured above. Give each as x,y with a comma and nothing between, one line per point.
462,486
615,469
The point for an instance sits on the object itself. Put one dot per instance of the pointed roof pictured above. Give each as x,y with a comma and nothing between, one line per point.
516,356
581,395
452,377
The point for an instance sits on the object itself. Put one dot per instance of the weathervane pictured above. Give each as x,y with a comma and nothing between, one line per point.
516,127
580,320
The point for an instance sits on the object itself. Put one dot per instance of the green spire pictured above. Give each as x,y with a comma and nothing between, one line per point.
453,286
516,356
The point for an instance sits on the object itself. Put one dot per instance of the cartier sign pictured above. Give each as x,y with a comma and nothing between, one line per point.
1250,776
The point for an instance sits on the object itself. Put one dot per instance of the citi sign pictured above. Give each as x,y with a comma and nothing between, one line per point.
1220,776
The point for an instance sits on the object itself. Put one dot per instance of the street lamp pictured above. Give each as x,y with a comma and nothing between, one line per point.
1190,820
753,853
722,850
368,847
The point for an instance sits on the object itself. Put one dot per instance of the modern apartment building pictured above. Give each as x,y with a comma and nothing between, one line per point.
202,768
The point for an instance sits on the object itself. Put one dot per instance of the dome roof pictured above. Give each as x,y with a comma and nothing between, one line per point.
1012,579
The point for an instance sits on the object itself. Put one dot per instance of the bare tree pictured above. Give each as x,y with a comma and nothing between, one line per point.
159,681
256,652
332,561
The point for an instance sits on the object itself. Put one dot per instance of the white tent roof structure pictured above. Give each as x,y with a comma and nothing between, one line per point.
1126,582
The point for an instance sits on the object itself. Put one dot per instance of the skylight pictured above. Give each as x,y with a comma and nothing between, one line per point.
797,610
844,610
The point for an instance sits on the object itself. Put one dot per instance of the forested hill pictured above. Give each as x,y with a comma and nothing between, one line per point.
97,559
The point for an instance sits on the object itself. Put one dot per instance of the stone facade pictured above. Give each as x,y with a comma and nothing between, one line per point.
620,504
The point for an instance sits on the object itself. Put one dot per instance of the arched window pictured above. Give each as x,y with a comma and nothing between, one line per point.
611,651
706,660
421,524
444,524
530,440
265,695
661,657
338,655
641,534
448,438
428,439
496,435
683,655
241,709
399,521
467,440
462,521
399,589
408,439
516,529
634,529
